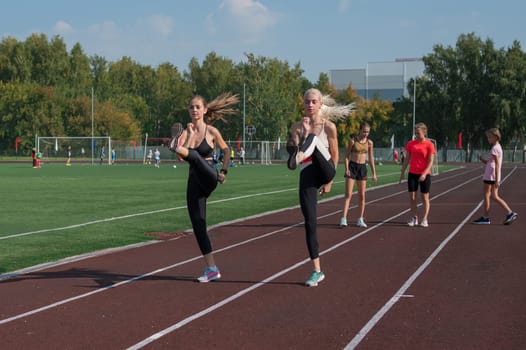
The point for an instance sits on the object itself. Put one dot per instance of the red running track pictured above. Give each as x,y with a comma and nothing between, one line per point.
453,285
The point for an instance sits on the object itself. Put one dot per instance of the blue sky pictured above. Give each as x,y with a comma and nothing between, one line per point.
320,35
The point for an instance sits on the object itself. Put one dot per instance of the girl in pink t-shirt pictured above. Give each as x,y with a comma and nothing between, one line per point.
492,178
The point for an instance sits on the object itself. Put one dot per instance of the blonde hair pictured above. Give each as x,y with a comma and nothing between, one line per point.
495,132
421,126
330,109
219,107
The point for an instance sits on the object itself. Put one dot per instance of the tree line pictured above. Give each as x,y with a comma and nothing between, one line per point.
47,90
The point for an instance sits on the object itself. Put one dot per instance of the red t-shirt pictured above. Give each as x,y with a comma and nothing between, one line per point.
420,152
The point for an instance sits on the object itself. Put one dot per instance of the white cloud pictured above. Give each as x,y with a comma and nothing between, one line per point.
161,24
62,28
252,16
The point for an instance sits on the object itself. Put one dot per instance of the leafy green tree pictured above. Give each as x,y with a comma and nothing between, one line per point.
27,110
14,63
217,75
510,101
79,74
471,88
351,125
100,77
273,89
170,98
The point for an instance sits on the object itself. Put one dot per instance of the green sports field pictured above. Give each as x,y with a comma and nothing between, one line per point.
56,211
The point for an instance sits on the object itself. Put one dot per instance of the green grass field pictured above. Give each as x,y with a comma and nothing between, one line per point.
57,211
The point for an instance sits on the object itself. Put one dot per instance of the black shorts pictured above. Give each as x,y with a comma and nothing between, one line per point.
358,171
489,182
413,183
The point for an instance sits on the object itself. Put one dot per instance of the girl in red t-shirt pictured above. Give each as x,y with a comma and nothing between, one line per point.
420,157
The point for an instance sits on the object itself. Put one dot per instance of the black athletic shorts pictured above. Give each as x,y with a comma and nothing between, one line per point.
413,183
358,171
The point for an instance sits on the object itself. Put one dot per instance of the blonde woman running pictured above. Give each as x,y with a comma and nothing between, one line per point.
360,149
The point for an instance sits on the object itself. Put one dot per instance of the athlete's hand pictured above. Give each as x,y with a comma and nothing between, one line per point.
325,188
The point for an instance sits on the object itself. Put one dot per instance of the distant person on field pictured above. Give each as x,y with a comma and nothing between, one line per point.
82,152
39,159
196,145
395,156
68,155
420,156
34,157
157,157
113,156
102,155
242,156
149,156
221,156
492,178
360,149
232,157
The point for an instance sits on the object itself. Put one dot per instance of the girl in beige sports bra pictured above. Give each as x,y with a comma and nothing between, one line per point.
360,149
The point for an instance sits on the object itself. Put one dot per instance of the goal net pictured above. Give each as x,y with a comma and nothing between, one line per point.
265,153
84,148
434,168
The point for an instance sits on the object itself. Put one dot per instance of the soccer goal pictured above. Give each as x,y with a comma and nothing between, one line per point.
84,148
265,153
434,168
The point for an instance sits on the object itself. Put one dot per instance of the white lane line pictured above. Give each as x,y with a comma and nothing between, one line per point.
81,296
122,217
396,297
233,297
216,306
136,245
136,214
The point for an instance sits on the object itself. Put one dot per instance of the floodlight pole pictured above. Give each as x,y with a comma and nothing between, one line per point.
414,105
415,59
92,154
244,94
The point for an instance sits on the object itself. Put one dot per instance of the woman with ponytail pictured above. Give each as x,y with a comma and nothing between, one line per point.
314,147
196,145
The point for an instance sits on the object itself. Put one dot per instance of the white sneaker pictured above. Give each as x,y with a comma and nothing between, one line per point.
343,222
412,222
361,223
210,274
424,223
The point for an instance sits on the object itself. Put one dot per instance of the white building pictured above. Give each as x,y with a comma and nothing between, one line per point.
388,79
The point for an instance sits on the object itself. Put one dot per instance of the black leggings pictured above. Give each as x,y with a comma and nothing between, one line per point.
202,181
312,177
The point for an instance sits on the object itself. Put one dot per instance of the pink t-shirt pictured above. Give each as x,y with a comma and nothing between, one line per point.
420,152
494,153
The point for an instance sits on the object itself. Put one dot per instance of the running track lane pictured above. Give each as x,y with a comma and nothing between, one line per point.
475,281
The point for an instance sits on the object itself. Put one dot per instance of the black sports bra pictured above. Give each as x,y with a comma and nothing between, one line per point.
204,148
